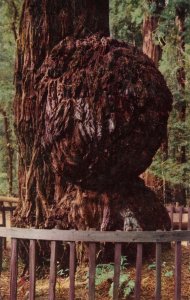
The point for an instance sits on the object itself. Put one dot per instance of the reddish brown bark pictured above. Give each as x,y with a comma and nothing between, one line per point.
10,151
180,190
14,16
154,51
40,30
90,129
181,76
150,25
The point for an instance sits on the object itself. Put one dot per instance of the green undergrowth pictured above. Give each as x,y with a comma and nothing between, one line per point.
105,273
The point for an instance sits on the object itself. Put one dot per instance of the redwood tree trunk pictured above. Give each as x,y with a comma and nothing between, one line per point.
180,192
44,24
150,25
154,51
10,151
51,193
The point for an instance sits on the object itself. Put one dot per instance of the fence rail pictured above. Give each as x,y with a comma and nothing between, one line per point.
180,219
96,236
92,237
8,199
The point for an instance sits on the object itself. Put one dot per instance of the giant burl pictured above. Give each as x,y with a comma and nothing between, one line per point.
103,114
106,109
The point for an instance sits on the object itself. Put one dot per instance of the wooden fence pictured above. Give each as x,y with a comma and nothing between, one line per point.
180,217
4,208
93,238
6,212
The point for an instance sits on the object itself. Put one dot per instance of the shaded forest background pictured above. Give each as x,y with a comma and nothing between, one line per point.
169,173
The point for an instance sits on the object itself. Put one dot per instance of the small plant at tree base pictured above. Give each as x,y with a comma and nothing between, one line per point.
169,274
62,272
126,285
152,266
105,272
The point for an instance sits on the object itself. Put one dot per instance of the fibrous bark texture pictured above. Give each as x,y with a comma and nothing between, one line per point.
9,149
181,106
101,114
105,107
43,25
150,25
124,207
154,51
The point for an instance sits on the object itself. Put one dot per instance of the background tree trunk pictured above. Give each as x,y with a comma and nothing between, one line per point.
10,150
14,17
150,25
154,51
180,191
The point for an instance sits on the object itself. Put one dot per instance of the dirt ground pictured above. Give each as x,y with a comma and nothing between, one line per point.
103,287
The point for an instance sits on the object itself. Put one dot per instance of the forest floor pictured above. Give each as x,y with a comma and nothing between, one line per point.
104,280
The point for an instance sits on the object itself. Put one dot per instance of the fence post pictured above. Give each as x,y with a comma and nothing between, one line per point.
171,216
188,223
1,254
2,240
92,269
138,272
53,270
32,269
117,267
180,217
138,269
3,214
13,269
177,270
158,270
72,271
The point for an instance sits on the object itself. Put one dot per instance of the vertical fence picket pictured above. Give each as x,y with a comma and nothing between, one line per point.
172,216
3,216
11,213
180,216
92,270
188,224
4,225
1,254
158,271
177,271
72,271
13,269
138,271
53,271
117,267
32,269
